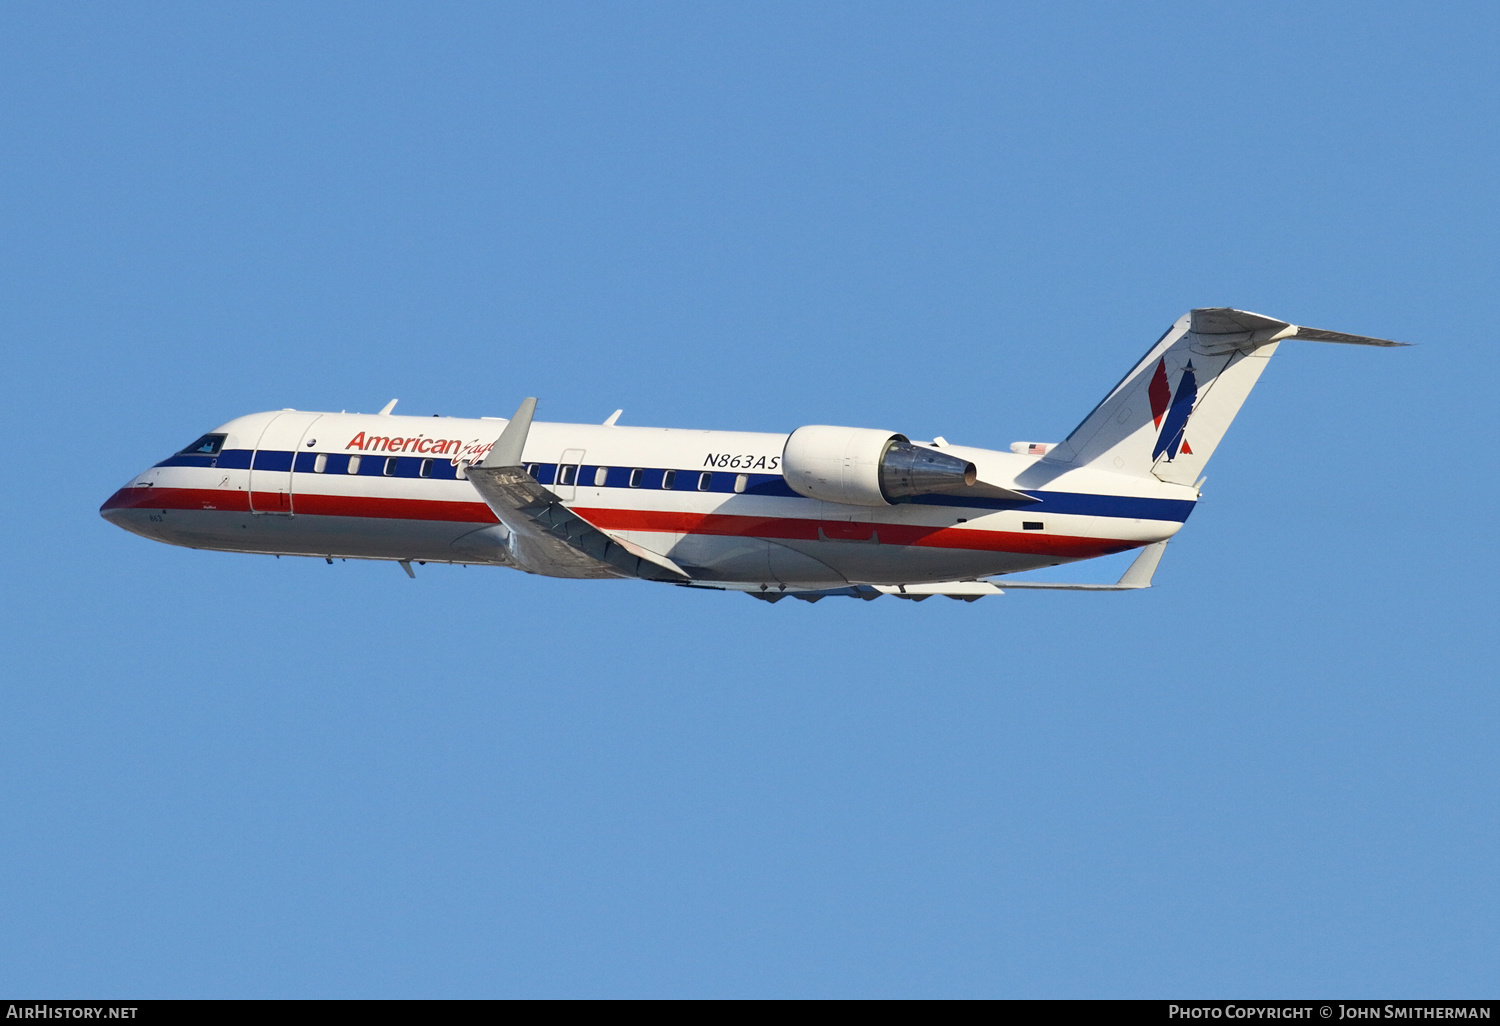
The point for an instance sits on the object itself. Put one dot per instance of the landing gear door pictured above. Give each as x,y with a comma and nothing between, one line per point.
272,470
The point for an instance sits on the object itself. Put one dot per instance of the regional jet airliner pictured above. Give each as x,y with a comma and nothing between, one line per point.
821,511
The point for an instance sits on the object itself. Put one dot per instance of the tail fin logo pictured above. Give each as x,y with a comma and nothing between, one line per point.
1170,439
1160,393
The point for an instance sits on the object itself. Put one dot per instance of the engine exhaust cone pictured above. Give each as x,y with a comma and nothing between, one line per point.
907,470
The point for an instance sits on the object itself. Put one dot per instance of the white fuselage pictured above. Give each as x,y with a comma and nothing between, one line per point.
714,502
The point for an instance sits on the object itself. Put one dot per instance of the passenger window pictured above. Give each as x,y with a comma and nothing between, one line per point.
320,464
208,445
635,477
390,466
532,468
426,470
567,474
669,479
601,477
461,471
740,481
704,480
354,464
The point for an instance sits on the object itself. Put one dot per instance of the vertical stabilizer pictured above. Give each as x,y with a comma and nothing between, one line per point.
1166,417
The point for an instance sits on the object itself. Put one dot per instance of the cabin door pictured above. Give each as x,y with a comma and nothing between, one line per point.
273,468
568,469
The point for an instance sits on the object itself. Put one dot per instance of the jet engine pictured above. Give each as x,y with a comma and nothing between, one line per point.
866,467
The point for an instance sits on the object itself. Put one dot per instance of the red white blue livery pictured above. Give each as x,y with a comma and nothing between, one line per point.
821,511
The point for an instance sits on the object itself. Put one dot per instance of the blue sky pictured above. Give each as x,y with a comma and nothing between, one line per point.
1272,775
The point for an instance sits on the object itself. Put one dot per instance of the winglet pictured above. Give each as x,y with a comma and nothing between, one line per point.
506,452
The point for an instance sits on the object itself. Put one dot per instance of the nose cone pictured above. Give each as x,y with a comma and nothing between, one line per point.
111,509
135,495
132,508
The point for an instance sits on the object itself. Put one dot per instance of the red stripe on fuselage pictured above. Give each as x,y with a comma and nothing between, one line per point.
390,509
844,530
657,521
303,503
178,498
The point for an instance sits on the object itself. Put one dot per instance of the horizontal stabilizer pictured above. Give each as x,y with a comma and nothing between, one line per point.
1319,335
1137,575
1246,330
1225,320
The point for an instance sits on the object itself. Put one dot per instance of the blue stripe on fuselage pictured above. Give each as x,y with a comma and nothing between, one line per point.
370,465
1080,503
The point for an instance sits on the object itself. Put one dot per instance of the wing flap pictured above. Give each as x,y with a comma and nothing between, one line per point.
553,539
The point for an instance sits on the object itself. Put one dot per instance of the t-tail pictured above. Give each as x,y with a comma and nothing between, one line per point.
1166,417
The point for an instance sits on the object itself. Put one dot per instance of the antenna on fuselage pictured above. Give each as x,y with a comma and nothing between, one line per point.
385,411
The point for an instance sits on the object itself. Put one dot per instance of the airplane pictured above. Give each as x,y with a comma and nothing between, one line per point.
823,511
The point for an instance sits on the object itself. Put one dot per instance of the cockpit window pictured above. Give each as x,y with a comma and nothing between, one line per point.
208,445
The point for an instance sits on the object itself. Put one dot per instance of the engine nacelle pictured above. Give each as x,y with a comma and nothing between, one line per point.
866,467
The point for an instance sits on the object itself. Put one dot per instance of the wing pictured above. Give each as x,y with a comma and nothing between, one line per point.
1137,576
547,537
